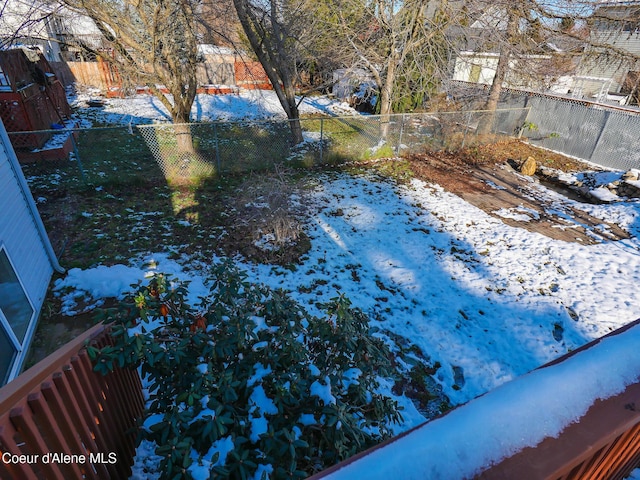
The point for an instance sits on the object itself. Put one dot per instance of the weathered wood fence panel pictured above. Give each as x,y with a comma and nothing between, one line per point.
88,73
60,419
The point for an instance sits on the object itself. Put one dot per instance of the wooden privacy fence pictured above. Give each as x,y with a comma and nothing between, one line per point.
60,419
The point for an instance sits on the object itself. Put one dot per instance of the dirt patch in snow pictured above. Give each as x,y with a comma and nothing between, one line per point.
264,224
487,177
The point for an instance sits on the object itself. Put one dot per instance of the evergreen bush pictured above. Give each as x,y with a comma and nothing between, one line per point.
294,393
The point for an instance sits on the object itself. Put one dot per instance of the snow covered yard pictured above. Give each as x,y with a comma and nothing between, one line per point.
487,301
484,301
247,105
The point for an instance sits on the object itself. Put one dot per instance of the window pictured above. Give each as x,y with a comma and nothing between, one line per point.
4,80
14,303
8,353
474,74
16,313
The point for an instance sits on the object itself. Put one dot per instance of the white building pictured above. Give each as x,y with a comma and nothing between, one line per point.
27,262
52,28
615,23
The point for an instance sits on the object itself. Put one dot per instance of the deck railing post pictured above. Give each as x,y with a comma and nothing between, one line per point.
61,405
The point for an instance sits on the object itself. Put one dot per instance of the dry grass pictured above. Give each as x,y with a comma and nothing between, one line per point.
265,224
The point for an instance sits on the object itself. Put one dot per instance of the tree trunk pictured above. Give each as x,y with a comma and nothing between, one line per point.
184,138
182,126
386,98
491,105
288,92
268,41
296,131
496,86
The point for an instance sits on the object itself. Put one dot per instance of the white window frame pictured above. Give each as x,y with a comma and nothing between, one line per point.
17,348
8,330
4,80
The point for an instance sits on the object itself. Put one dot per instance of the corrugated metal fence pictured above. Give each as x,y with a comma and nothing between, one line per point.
599,134
603,134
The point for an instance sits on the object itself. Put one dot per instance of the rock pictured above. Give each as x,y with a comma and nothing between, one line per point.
629,190
529,166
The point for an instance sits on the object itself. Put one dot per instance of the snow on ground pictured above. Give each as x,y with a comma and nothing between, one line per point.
101,282
488,301
246,105
470,438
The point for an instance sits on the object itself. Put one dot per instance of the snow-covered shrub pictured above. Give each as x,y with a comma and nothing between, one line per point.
289,394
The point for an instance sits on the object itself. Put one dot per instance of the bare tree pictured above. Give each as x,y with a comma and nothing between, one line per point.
401,44
599,32
22,20
155,45
267,27
219,24
506,52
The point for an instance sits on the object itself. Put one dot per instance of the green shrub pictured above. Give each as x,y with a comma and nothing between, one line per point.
250,365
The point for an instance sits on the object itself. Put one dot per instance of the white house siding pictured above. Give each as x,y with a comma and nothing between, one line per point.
610,34
609,69
21,238
480,67
23,22
467,63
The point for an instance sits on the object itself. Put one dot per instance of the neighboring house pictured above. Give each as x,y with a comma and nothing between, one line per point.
480,67
27,262
609,74
25,22
54,29
545,68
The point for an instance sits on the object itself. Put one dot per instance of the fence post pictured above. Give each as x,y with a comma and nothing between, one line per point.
77,155
524,122
321,139
466,128
592,156
400,136
215,142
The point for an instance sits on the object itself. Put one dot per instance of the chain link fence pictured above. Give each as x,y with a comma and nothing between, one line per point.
239,147
190,151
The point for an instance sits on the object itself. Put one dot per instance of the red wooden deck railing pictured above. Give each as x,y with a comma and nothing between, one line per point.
603,445
60,419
